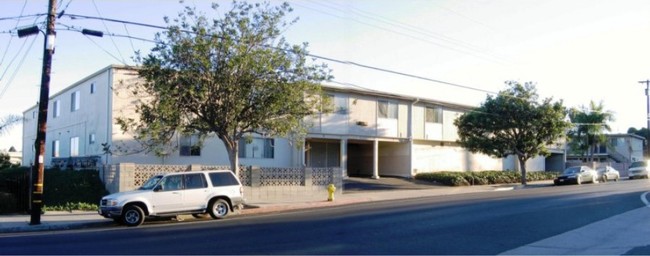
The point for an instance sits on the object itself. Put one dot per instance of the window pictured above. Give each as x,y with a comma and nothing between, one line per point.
387,109
56,109
75,100
433,115
194,181
74,146
340,104
258,148
55,148
34,114
91,138
92,88
171,183
189,145
223,179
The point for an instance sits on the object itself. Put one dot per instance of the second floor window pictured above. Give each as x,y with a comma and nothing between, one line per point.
433,115
386,109
56,108
75,100
189,145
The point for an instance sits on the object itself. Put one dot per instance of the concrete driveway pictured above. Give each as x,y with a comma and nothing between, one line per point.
365,184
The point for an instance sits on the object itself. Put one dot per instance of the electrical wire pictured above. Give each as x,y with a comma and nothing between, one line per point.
11,38
311,55
20,64
419,38
106,27
409,27
22,17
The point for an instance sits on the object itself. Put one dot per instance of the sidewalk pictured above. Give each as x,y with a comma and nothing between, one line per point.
78,220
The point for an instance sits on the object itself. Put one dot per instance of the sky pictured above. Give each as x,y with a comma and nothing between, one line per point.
458,51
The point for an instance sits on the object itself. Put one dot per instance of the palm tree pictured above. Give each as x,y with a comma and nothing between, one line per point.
590,125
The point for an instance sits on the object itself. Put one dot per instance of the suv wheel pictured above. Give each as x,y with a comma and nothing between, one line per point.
133,216
219,208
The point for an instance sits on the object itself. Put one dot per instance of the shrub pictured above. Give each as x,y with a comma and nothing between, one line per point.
69,186
69,207
482,178
62,190
8,202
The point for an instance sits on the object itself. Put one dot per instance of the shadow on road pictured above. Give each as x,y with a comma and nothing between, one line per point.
361,184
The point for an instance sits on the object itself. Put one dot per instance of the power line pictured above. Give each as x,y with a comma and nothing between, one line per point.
21,17
106,27
401,73
311,55
20,64
470,49
11,38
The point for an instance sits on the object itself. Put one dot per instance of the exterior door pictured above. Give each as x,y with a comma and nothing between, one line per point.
170,196
196,191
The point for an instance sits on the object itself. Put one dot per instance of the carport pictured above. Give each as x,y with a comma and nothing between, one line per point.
358,157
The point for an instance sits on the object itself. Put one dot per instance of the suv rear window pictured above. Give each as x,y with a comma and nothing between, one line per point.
223,179
638,164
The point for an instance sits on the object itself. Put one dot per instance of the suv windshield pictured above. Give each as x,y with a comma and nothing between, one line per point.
151,182
638,164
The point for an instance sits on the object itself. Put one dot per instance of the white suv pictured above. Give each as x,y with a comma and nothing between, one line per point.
213,192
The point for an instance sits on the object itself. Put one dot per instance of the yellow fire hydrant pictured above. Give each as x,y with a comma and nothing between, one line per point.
330,191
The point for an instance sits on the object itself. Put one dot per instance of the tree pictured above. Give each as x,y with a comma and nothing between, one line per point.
229,77
513,123
590,125
5,161
8,122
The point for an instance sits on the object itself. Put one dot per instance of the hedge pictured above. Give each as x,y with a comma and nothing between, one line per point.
63,189
482,178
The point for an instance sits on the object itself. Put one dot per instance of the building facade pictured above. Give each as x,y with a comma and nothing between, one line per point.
619,148
369,134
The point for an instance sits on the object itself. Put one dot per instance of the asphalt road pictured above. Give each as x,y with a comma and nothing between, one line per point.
487,223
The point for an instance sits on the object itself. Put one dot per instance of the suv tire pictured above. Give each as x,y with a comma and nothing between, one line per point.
133,216
218,209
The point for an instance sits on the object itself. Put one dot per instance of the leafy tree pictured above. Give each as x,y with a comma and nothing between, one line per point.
228,77
513,123
590,125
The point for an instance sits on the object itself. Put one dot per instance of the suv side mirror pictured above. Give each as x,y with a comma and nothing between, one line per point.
157,188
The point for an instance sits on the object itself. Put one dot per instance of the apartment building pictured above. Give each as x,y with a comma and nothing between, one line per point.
370,133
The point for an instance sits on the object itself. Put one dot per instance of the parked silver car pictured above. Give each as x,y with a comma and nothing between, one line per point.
608,173
576,175
638,170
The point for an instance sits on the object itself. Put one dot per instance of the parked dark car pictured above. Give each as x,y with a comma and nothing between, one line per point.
576,175
608,173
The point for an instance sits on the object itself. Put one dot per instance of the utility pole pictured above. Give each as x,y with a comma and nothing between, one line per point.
647,95
37,179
